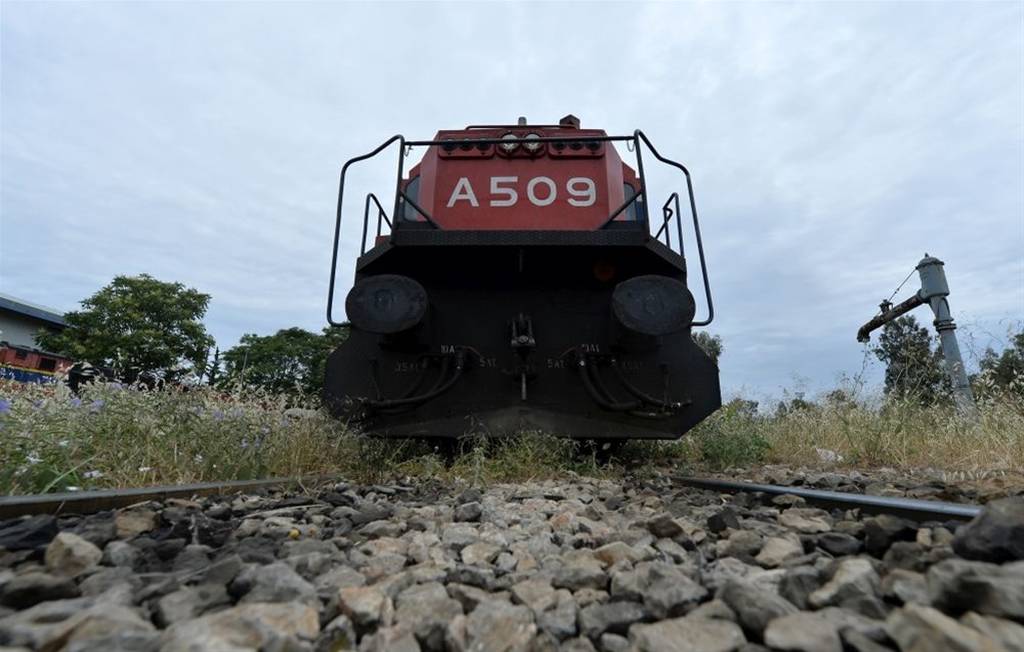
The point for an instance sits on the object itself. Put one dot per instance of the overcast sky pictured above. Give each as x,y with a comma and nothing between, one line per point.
831,146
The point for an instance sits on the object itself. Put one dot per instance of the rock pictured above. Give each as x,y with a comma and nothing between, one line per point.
244,627
741,543
366,606
612,553
853,578
336,636
109,579
28,533
845,621
917,628
574,645
857,642
957,585
29,589
119,553
189,602
802,632
578,577
614,617
715,610
480,553
663,588
908,555
468,512
560,622
754,607
839,544
805,520
221,571
131,523
62,623
499,626
390,639
724,519
994,535
613,643
1005,632
883,530
905,586
664,526
369,512
470,596
537,594
776,550
798,583
70,555
275,582
426,610
459,535
687,634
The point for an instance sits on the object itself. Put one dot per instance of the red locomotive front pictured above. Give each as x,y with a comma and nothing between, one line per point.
534,178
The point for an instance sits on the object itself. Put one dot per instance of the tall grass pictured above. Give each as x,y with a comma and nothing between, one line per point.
110,436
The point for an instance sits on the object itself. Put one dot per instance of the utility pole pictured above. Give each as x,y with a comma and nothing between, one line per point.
934,290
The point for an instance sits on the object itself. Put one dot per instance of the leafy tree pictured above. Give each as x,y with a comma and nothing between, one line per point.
711,344
292,360
1006,370
912,368
136,324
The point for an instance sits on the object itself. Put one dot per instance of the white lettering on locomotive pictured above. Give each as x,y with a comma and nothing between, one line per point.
585,197
582,192
463,190
512,195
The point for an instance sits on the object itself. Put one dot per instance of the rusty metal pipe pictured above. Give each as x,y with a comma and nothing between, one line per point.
900,309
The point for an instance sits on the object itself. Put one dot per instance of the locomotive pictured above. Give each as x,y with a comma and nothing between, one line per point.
520,284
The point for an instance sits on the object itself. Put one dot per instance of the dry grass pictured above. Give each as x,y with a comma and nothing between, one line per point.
113,436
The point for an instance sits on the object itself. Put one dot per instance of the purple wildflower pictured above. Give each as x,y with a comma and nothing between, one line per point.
76,402
5,406
97,405
218,415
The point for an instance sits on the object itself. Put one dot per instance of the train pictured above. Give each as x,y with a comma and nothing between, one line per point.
29,365
519,283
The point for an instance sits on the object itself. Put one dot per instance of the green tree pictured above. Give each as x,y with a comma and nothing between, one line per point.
711,344
1005,371
136,324
292,360
912,368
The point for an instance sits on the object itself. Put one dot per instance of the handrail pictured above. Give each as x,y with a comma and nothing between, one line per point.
696,224
366,217
337,221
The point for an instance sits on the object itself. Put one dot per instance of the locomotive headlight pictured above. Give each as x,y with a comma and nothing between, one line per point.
511,142
531,143
386,304
653,305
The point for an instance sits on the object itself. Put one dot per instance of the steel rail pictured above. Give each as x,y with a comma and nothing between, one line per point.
90,502
913,509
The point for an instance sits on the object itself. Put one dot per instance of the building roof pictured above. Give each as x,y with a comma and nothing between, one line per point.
35,311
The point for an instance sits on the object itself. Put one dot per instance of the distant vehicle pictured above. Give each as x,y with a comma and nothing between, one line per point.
522,285
30,365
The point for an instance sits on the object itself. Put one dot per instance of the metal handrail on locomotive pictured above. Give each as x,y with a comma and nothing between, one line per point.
520,284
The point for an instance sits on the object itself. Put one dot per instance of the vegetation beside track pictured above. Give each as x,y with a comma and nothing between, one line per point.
114,436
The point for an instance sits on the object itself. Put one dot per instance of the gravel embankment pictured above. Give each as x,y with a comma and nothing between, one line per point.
581,564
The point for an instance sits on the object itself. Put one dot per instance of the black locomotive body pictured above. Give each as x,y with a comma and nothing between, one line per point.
495,304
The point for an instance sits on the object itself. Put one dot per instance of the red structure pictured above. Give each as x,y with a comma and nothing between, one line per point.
30,365
523,183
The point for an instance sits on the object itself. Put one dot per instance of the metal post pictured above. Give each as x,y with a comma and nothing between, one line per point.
934,290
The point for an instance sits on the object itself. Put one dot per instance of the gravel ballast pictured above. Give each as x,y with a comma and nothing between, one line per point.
580,564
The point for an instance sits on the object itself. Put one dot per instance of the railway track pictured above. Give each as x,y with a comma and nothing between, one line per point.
90,502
